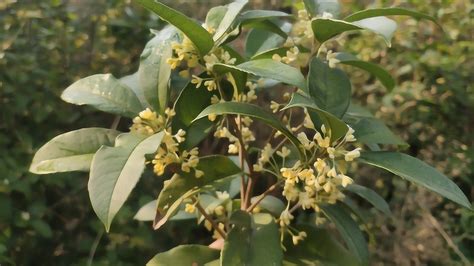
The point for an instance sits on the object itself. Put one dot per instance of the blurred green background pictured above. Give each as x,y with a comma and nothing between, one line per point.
45,45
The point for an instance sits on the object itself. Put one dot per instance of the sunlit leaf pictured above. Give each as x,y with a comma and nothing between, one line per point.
72,151
116,170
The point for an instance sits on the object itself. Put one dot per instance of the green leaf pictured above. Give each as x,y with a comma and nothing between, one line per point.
319,245
191,101
185,255
267,68
325,28
154,73
269,53
417,172
256,42
349,231
330,88
262,39
133,83
390,11
255,245
254,111
380,73
371,196
179,184
374,131
104,92
272,204
253,15
72,151
233,10
199,36
215,16
116,170
336,126
318,7
147,212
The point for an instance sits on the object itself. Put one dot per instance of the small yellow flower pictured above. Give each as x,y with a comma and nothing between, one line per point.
190,208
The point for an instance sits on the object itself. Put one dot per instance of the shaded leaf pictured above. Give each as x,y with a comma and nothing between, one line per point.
254,111
336,126
417,172
330,88
371,196
72,151
380,73
182,183
255,245
319,245
147,212
349,231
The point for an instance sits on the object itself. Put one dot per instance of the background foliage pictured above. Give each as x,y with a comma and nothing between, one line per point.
46,45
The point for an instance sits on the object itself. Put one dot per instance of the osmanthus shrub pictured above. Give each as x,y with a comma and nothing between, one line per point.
258,146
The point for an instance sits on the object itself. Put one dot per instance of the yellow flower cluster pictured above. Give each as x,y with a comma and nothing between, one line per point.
247,134
148,122
319,180
168,154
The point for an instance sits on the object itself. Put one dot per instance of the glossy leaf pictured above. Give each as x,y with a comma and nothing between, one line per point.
330,88
325,28
258,244
390,11
179,184
380,73
337,127
253,15
104,92
154,73
185,255
132,81
262,39
232,11
267,68
254,111
371,196
349,231
72,151
318,246
199,36
116,170
319,7
417,172
191,101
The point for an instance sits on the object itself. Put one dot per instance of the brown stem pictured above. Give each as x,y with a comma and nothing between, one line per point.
262,196
243,150
207,217
242,177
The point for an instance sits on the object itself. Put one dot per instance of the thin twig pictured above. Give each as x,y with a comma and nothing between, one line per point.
448,239
207,217
263,195
90,259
